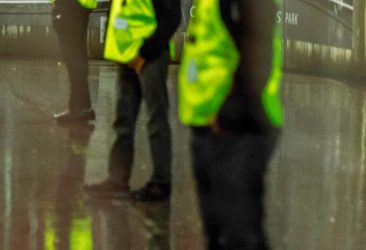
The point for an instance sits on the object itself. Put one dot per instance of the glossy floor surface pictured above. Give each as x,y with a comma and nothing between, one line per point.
315,184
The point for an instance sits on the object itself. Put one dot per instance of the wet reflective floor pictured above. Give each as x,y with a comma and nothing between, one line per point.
315,184
43,168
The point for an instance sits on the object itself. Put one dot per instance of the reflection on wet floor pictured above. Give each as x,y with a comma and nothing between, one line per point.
44,167
315,186
317,183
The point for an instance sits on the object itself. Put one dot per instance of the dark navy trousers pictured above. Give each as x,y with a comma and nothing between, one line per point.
230,174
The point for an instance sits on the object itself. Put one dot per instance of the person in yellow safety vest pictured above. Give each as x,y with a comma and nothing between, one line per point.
70,20
138,35
229,93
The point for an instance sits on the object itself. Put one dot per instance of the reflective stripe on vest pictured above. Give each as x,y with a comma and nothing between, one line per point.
210,59
208,66
89,4
130,23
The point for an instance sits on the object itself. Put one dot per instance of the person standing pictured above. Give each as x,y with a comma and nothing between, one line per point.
138,37
229,95
70,20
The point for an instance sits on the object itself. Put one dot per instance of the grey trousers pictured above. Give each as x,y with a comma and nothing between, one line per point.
149,85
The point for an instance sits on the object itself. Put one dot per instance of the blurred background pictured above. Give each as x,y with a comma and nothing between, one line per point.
316,189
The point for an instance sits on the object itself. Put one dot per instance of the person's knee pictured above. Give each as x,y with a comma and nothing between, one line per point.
158,124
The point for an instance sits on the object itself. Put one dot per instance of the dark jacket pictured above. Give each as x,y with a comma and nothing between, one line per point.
168,15
67,6
250,23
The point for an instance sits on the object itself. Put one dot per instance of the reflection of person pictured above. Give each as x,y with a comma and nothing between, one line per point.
70,20
143,75
229,95
111,227
69,214
120,225
156,217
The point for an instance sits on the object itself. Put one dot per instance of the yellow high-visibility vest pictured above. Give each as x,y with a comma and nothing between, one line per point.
89,4
130,23
210,59
271,96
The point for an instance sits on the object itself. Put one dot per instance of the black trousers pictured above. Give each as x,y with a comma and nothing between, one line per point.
230,172
70,22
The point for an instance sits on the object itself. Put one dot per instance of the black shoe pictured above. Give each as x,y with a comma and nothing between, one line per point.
108,189
153,191
81,117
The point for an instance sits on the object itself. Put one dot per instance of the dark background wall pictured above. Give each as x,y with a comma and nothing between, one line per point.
317,33
26,30
318,37
319,21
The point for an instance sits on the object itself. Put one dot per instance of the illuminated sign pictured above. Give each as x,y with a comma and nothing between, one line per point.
290,18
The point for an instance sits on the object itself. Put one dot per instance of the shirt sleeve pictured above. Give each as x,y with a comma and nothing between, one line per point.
168,16
252,31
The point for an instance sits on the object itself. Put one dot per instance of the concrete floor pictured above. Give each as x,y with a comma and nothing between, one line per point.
315,184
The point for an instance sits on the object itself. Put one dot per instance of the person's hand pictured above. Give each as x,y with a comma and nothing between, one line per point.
215,127
137,64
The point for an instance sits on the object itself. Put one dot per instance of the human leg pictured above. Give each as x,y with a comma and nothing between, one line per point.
122,153
128,105
230,173
153,80
71,27
202,160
